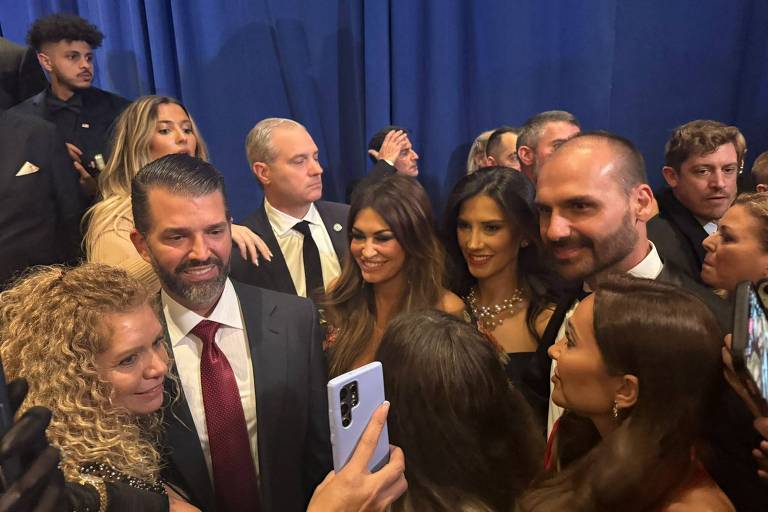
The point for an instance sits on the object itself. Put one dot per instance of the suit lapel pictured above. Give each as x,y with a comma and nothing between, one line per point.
556,321
183,444
38,101
278,268
338,236
269,357
684,220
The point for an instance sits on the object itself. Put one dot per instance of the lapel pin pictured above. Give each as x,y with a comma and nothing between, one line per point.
85,125
337,227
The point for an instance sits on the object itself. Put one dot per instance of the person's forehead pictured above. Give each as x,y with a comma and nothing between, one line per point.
738,216
290,140
169,209
66,45
724,154
580,168
558,130
508,139
581,320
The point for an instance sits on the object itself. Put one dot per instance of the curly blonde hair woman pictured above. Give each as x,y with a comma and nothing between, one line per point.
149,128
89,344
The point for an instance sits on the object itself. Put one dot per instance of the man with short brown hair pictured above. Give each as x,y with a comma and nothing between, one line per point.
702,160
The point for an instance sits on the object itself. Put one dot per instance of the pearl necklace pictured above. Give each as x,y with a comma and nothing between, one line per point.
486,315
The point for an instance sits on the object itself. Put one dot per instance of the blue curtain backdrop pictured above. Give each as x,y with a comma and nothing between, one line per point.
445,69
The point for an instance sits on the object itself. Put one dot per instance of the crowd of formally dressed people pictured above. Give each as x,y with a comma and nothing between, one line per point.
554,339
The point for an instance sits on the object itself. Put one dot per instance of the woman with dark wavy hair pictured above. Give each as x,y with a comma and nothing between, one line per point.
395,263
492,236
469,436
638,362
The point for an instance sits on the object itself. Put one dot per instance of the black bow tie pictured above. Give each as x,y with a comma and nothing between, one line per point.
55,104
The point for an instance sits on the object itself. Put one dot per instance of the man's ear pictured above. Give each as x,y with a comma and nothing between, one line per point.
489,161
644,202
670,175
140,243
525,155
261,171
761,187
628,392
45,61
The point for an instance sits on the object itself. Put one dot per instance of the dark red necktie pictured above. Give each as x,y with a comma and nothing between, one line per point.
234,475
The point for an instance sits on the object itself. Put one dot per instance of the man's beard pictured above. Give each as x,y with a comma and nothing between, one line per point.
606,252
199,293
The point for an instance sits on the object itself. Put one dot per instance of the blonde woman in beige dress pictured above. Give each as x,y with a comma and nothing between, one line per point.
150,128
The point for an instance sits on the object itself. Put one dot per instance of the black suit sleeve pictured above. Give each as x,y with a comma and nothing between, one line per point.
69,197
317,457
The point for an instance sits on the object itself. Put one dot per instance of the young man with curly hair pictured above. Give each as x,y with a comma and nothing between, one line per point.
83,114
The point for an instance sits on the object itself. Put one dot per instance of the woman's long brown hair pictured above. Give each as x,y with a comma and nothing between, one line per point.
671,342
349,305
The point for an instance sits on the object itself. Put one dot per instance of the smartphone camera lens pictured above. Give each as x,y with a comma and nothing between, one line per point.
345,409
345,421
343,393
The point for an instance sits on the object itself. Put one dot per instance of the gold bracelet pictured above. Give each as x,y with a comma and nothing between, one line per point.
98,484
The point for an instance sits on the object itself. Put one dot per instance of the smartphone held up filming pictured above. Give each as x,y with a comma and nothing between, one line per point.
749,350
352,399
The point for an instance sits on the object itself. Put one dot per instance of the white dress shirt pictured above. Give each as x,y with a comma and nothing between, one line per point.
649,268
291,243
710,227
232,340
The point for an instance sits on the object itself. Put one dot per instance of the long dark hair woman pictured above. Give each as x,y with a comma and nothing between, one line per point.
469,436
492,237
395,264
638,363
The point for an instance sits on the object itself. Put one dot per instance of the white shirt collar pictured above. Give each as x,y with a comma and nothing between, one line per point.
650,267
181,321
282,222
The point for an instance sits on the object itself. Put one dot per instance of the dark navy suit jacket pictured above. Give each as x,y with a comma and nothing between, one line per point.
290,378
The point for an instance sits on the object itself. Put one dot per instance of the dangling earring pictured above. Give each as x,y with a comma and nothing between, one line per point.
524,243
615,411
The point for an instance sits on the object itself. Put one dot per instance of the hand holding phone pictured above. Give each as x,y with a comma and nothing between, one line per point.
355,488
352,399
749,344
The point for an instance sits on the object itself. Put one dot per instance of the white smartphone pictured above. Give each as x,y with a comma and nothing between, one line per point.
352,399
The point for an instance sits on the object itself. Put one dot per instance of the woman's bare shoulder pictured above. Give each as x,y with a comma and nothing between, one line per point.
705,498
452,304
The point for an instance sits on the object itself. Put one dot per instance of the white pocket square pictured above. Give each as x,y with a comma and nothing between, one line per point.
27,168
